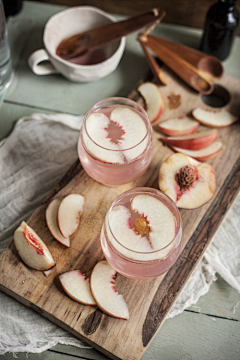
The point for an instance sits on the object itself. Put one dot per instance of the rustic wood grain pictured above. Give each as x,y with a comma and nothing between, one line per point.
149,301
183,12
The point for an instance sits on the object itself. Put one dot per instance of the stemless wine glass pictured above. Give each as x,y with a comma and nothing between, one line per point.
115,146
129,261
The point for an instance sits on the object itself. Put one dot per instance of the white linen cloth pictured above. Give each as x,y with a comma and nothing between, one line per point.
33,159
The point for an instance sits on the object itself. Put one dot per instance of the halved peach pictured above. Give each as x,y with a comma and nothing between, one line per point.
189,183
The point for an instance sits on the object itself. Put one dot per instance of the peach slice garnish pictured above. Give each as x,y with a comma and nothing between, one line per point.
135,131
140,232
102,143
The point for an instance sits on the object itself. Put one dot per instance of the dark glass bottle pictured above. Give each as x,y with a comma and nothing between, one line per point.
12,7
220,29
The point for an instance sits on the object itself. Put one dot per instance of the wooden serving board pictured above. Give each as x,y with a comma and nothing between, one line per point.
149,301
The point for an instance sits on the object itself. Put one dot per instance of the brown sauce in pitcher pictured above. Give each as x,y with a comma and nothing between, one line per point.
89,58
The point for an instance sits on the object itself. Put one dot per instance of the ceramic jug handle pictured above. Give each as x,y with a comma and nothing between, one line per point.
36,58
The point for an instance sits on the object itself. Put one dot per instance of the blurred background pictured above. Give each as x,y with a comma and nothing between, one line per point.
180,12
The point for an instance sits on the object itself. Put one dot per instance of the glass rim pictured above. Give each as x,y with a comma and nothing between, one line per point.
176,215
115,98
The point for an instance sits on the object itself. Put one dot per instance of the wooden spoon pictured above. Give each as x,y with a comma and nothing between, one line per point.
156,70
186,71
89,40
209,65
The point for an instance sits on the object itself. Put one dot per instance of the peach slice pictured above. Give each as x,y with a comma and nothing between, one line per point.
205,154
97,140
195,141
104,292
149,226
189,183
182,125
153,99
123,129
159,218
123,231
69,213
76,285
214,118
51,220
134,132
31,249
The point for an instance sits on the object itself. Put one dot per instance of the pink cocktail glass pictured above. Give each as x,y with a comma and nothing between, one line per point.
132,263
121,162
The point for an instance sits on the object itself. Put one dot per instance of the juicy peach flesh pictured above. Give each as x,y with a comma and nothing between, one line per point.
33,241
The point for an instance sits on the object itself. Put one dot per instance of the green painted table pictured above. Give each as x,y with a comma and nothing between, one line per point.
211,328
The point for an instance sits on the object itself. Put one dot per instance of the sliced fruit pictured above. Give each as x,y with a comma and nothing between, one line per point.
149,227
179,126
104,292
123,231
31,249
69,213
51,220
214,118
134,132
187,182
207,153
97,140
159,218
153,99
196,141
76,285
102,142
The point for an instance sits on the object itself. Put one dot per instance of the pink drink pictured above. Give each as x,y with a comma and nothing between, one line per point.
134,263
111,163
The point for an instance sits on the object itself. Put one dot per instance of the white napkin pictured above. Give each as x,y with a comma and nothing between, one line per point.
33,159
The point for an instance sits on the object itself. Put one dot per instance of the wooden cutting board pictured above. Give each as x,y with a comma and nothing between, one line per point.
149,301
